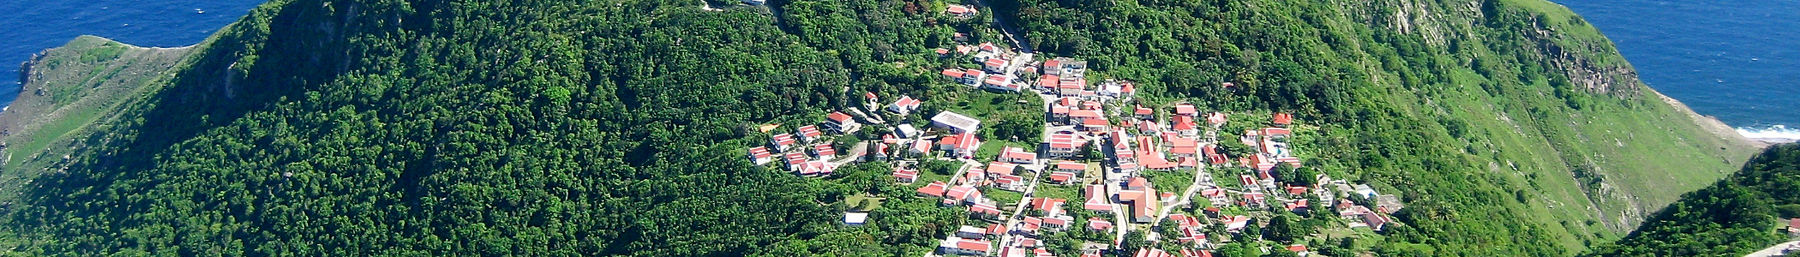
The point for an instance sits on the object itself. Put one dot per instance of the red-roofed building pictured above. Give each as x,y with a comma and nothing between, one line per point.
906,105
966,247
1184,147
943,52
760,155
1215,119
1296,206
1283,119
794,161
1010,182
1078,116
1017,155
1215,195
996,229
1277,132
824,151
1793,226
1098,224
964,194
1186,109
840,122
1071,167
1235,223
1152,252
1296,190
808,133
960,11
1096,199
817,168
1184,125
1195,253
1057,222
984,211
1094,125
1050,206
782,142
1065,146
995,64
905,175
960,145
1255,200
1001,83
1062,177
971,76
953,73
1144,113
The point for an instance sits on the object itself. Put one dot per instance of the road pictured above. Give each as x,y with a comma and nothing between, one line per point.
1777,250
854,154
1012,34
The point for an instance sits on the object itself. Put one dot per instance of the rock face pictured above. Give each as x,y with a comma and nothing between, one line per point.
25,69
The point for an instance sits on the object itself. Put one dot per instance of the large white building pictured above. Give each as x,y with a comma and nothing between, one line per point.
956,123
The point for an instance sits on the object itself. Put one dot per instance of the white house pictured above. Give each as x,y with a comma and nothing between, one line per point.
956,123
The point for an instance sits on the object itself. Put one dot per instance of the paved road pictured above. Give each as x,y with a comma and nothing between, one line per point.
1777,250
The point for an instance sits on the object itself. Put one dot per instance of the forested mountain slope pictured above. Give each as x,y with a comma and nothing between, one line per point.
1733,217
392,127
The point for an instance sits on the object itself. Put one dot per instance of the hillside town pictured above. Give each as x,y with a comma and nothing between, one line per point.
1109,165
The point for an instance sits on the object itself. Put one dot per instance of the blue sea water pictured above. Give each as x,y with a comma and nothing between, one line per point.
1735,60
30,26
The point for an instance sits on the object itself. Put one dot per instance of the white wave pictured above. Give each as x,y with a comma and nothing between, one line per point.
1777,133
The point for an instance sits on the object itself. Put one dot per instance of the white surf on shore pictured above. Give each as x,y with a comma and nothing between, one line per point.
1771,133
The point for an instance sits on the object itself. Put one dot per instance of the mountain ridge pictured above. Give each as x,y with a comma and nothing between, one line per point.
547,92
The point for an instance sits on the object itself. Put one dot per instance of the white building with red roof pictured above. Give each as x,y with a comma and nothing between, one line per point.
984,211
961,246
1096,199
840,122
905,105
808,133
824,151
793,161
905,176
960,145
995,64
1186,109
782,142
1017,155
960,11
760,155
1062,178
1064,145
935,189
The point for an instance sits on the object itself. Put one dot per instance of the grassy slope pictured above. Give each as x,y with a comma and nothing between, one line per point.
1643,152
73,87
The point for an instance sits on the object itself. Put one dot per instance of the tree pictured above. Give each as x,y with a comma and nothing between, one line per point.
1281,229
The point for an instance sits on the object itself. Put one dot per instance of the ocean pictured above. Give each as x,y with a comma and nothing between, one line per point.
1735,60
30,26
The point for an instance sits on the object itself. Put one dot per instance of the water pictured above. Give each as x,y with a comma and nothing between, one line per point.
30,26
1735,60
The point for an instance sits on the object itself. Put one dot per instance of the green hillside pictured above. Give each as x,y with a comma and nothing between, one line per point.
435,128
1733,217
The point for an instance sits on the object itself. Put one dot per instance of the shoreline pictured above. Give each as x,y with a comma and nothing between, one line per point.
1712,124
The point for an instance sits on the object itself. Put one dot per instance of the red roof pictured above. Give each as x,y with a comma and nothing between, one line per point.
1052,64
1144,111
809,131
1046,204
1277,132
995,62
996,229
936,188
1296,248
1284,119
1047,81
1001,168
1071,166
957,9
973,245
1184,123
1296,190
1185,109
987,209
954,73
907,102
1137,182
1062,176
1128,89
1216,118
760,152
941,51
838,117
1096,223
824,150
1794,223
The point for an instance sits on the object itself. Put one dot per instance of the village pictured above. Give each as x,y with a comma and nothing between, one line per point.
1159,174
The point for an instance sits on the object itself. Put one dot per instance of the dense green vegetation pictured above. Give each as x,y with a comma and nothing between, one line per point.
1477,115
1733,217
431,128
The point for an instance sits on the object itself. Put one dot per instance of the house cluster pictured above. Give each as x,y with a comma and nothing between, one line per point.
803,152
996,71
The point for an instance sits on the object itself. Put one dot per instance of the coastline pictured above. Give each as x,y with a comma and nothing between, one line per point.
1714,126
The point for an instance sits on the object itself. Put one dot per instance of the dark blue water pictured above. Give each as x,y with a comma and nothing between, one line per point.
30,26
1735,60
